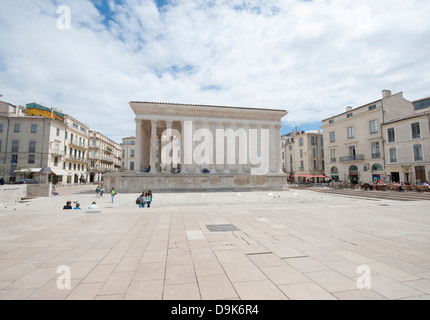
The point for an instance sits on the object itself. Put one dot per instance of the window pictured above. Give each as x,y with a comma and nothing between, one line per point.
31,159
376,153
314,152
373,126
32,147
14,158
302,165
56,162
132,165
393,155
15,146
391,135
301,153
74,125
332,137
315,164
372,107
93,142
0,145
349,115
132,153
331,121
16,127
416,130
301,142
34,128
350,132
1,127
333,155
313,141
290,147
418,152
352,153
58,132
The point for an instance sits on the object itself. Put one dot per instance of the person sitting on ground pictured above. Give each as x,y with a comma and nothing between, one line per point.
68,206
93,206
54,191
78,206
149,198
143,200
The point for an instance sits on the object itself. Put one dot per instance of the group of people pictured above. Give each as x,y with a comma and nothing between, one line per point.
68,206
144,199
100,191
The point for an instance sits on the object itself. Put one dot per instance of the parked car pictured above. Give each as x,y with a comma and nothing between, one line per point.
27,181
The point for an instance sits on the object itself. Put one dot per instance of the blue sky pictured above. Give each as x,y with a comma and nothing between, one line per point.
311,58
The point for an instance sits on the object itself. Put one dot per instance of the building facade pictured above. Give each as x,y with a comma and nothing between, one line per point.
128,149
354,141
407,146
104,155
48,146
303,155
187,125
182,147
29,145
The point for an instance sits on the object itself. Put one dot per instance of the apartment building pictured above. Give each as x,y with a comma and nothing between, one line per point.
104,156
407,145
44,144
354,141
31,146
128,151
303,154
76,151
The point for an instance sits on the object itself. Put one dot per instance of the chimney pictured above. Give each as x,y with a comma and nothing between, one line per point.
386,93
348,109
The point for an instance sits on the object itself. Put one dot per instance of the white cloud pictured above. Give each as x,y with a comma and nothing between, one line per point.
310,57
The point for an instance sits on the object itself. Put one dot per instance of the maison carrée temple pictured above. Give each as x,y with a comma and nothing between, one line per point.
201,147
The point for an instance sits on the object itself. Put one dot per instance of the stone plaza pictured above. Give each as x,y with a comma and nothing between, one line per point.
280,245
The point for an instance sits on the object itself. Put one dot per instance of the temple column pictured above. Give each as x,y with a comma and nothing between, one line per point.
242,148
183,134
139,146
159,149
169,125
213,132
278,151
272,149
153,150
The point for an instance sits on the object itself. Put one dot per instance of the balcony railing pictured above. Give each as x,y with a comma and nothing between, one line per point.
79,159
57,152
352,158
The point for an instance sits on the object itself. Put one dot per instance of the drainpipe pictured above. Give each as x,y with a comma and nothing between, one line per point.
383,141
41,151
5,147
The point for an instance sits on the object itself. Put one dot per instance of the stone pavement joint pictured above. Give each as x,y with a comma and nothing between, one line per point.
293,244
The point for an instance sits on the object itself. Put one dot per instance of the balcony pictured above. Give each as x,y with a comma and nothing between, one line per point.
358,157
57,152
78,159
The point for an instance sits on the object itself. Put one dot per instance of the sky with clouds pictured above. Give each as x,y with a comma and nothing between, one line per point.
311,58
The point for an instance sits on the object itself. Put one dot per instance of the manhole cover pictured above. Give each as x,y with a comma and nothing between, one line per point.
222,227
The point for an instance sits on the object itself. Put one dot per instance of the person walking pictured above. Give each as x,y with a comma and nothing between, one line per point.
112,193
101,192
99,187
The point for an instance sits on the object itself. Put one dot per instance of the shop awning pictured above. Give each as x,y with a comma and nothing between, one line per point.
27,170
59,172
